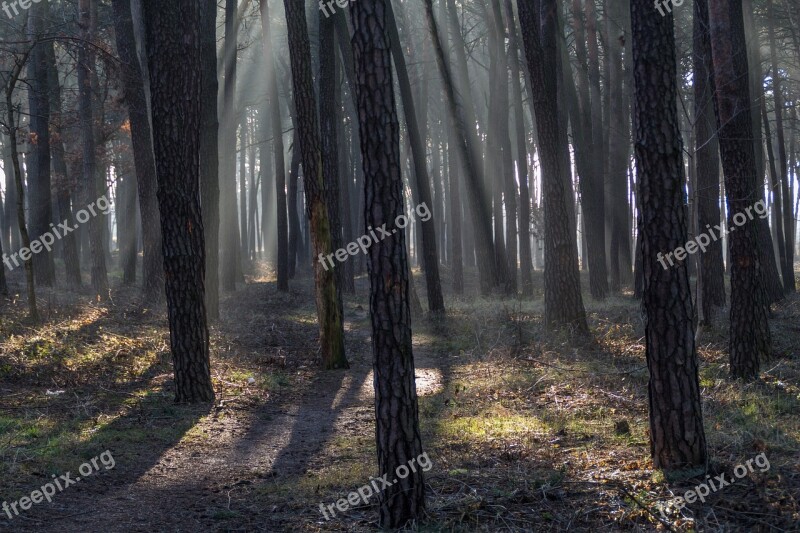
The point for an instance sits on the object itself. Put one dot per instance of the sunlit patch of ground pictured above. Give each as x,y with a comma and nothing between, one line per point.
526,430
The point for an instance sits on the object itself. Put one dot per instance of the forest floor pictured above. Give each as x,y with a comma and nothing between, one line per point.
526,430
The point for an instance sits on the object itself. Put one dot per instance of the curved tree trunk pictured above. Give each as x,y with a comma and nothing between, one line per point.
563,303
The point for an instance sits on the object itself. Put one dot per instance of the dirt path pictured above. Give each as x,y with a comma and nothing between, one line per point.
218,481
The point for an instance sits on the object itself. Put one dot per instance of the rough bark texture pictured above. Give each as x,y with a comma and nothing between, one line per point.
706,159
749,330
141,137
209,152
563,303
677,437
173,48
397,418
38,160
328,309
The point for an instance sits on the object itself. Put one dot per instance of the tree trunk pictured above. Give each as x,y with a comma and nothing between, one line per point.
229,227
677,437
173,48
515,63
327,299
38,161
706,159
141,137
397,414
209,153
278,152
563,302
749,330
430,257
86,64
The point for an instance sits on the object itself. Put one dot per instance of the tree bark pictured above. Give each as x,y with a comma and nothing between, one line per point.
706,159
326,292
173,48
563,303
397,414
86,63
209,153
677,437
142,139
749,330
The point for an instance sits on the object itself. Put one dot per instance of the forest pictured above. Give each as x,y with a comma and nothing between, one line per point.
399,265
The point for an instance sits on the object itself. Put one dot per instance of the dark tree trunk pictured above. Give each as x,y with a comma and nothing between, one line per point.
329,111
278,151
173,48
422,189
393,361
749,330
327,299
86,64
209,153
677,437
41,212
141,137
563,303
712,269
592,177
63,186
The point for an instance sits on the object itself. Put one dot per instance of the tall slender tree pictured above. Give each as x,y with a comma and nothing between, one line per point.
396,409
209,152
327,299
563,303
142,139
677,437
278,149
749,331
173,51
